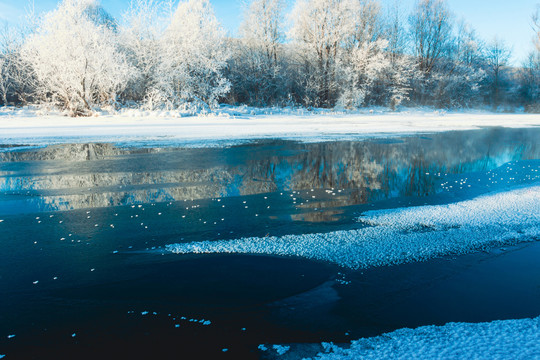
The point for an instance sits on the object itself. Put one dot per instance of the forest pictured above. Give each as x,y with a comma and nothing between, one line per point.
339,54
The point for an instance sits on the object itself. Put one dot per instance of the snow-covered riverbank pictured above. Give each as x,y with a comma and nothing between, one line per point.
236,125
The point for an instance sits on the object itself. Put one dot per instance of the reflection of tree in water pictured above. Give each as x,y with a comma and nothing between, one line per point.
95,175
413,167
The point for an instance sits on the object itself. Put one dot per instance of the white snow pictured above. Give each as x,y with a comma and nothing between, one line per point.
404,235
508,339
231,126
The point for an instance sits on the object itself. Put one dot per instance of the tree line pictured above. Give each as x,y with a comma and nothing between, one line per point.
325,53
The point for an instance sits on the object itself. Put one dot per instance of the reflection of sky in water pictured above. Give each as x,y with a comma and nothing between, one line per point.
70,177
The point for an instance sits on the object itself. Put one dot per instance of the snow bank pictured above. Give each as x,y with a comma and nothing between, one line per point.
237,124
509,339
404,235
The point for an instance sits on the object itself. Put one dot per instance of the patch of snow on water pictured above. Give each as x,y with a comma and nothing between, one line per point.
404,235
508,339
281,350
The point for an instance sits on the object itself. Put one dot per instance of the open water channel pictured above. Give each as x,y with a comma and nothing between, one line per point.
84,272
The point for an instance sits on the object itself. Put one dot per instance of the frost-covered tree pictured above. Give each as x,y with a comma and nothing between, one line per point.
345,55
395,30
456,80
76,59
530,74
8,49
374,73
193,57
530,82
497,56
140,34
262,27
367,21
431,29
257,66
364,67
466,47
320,28
16,80
536,22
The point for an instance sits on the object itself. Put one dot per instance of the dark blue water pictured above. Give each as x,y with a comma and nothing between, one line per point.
80,277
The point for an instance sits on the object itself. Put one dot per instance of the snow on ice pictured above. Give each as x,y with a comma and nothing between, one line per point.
508,339
280,349
405,234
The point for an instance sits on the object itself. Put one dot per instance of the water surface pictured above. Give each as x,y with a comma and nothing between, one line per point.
81,273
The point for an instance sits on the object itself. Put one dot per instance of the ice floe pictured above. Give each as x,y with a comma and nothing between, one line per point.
508,339
405,234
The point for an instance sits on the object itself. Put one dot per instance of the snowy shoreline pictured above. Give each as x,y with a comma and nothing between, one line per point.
236,125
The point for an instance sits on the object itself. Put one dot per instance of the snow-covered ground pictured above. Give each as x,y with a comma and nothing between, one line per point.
404,235
508,339
236,124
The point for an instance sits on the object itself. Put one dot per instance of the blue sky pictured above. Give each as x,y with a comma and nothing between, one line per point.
509,20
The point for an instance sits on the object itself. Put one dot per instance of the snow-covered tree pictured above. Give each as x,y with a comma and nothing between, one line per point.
75,57
193,57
